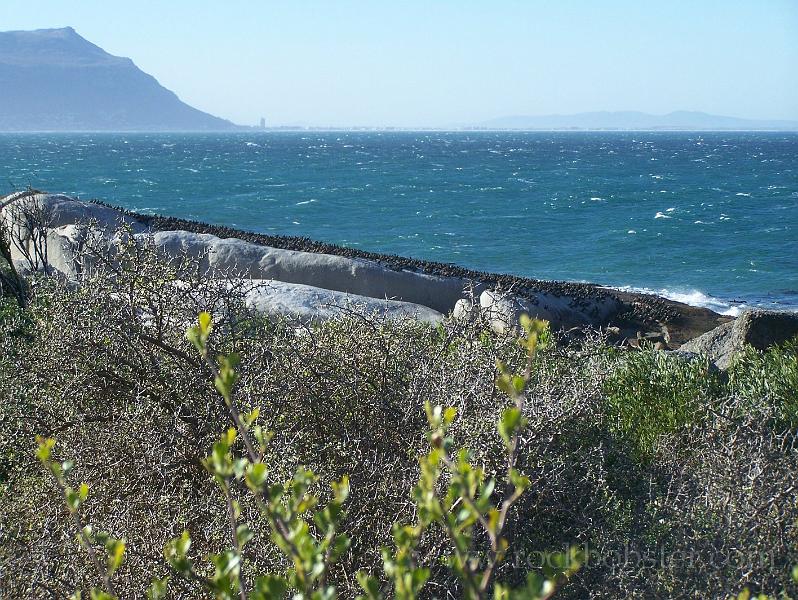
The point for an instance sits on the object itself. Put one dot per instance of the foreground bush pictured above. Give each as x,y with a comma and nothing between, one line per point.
671,481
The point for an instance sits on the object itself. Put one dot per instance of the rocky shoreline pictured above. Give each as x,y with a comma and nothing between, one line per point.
645,313
302,278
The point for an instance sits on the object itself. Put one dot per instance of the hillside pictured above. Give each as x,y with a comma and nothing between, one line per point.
55,80
635,120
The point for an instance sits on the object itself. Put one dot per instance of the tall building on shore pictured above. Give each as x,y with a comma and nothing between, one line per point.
263,123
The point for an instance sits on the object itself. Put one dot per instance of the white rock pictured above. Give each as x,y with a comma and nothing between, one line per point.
503,310
312,304
59,210
463,309
349,275
67,234
65,221
63,244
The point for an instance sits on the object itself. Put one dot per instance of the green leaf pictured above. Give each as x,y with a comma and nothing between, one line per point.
493,520
256,476
269,587
520,482
262,437
198,334
229,436
184,543
72,499
341,489
340,545
205,322
243,535
433,414
88,532
45,446
511,421
227,377
158,589
116,553
193,336
419,578
175,553
250,418
370,585
505,383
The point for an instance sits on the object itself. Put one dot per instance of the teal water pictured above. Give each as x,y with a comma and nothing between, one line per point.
710,218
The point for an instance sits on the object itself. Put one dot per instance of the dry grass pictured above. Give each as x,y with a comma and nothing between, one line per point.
708,507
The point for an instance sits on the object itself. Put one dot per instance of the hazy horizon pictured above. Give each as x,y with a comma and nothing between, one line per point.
448,65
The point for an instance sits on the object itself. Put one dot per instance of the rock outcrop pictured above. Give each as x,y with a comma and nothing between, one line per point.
307,303
51,233
758,328
348,275
502,310
48,231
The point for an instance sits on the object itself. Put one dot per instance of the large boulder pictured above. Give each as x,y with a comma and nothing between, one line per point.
311,304
502,311
758,328
338,273
56,210
48,231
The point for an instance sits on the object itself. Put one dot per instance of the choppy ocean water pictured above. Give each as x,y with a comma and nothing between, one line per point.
706,218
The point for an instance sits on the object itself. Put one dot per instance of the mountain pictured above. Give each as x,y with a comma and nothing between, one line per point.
55,80
636,121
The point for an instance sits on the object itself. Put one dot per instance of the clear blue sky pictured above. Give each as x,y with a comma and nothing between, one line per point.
448,62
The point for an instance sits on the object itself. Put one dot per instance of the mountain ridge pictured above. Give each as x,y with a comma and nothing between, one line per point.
637,120
56,80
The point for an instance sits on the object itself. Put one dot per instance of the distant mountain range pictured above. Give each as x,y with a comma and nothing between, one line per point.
55,80
633,120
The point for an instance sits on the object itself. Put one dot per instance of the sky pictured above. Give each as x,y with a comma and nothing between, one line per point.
420,63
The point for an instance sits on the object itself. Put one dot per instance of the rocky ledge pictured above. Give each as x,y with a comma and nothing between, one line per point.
311,280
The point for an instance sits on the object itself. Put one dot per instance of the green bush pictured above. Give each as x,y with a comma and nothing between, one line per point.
651,395
768,380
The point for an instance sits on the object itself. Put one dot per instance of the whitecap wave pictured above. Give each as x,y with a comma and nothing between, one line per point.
693,298
698,298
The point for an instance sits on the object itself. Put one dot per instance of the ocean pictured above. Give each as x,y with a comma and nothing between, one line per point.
710,219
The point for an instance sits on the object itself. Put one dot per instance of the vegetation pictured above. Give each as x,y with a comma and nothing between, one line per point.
331,459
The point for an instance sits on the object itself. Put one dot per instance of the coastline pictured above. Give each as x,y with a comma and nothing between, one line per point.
641,312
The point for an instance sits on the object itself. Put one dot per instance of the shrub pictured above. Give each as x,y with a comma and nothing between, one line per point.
106,369
651,394
769,379
311,550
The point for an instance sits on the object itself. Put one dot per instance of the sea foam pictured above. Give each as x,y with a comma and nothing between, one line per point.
693,298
